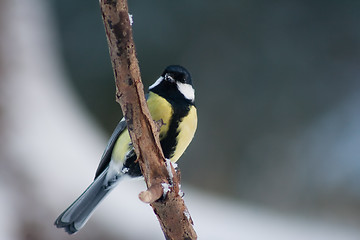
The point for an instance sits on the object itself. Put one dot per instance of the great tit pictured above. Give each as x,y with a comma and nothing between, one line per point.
170,100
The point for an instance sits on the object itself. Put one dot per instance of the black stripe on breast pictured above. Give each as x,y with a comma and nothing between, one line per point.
168,143
181,108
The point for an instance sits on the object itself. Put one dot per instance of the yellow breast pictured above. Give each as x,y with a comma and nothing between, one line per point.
159,109
187,128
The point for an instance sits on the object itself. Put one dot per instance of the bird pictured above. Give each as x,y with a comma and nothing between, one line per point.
171,100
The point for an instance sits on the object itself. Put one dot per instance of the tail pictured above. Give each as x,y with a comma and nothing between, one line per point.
75,216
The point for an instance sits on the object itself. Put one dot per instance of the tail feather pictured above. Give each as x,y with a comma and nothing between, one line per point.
75,216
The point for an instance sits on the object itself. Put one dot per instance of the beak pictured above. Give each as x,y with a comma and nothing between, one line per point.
169,78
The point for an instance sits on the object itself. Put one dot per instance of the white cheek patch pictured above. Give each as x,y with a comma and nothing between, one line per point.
160,79
187,90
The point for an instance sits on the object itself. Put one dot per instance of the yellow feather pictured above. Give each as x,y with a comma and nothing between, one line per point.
121,147
187,128
159,109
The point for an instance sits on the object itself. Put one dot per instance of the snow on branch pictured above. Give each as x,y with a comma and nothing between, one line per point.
171,211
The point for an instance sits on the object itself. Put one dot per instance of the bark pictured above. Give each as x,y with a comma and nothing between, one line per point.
170,209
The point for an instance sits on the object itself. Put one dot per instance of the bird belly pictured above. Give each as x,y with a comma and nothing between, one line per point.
187,128
160,109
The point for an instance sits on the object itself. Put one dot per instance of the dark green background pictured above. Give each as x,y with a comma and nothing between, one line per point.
265,72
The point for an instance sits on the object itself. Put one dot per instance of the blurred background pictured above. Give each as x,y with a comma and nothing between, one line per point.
277,91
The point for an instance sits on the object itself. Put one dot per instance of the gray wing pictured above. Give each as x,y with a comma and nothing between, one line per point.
106,157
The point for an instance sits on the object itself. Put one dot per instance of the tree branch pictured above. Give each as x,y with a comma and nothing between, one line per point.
170,209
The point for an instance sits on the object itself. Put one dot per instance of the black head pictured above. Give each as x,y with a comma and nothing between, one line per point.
175,83
177,73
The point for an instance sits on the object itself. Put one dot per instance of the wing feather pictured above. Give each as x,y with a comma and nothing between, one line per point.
106,157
